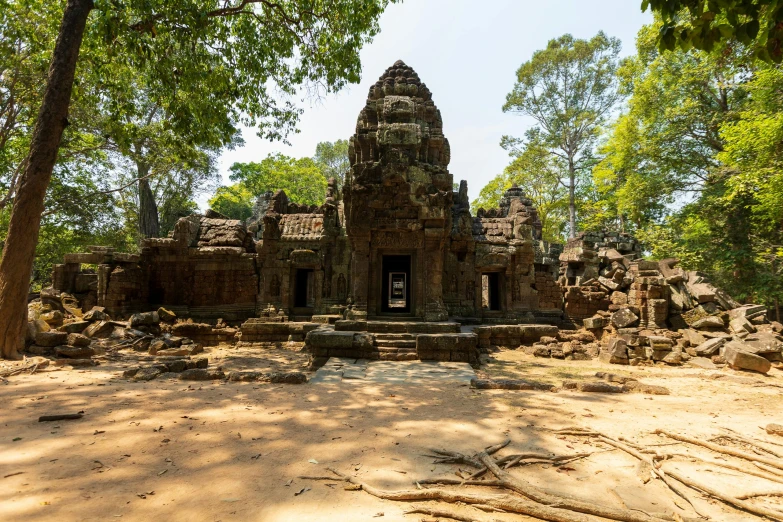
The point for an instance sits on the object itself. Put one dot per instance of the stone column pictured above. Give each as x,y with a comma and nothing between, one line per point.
434,309
360,275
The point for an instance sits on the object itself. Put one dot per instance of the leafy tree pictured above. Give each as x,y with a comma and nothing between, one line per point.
540,175
241,61
235,201
692,165
333,159
703,24
569,89
302,179
754,154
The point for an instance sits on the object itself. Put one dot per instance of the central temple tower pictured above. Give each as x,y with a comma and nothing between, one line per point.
398,198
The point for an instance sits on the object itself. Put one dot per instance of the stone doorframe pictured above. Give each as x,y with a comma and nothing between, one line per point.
374,299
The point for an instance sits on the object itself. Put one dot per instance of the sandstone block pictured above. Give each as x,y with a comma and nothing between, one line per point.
144,319
593,323
201,374
741,325
50,338
623,318
739,359
615,353
75,339
708,323
167,316
74,352
710,346
763,343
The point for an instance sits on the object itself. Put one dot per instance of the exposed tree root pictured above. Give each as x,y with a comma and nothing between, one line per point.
530,500
656,467
444,512
761,444
775,463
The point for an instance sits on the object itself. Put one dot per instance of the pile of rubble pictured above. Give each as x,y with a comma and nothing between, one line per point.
661,313
57,327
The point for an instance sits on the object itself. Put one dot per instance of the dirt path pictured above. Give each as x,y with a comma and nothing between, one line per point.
232,451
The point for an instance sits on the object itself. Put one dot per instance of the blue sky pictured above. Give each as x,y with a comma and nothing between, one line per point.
467,52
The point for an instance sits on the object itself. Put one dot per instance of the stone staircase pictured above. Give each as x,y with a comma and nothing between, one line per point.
396,346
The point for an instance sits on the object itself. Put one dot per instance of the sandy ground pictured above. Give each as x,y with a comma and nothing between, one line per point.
191,451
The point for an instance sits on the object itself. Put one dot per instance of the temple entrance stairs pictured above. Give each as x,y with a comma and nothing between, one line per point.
396,346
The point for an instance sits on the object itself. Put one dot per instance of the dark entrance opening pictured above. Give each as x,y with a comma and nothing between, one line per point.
396,285
490,291
304,297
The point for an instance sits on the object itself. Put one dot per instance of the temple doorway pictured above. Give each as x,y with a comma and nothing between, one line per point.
304,288
490,291
396,285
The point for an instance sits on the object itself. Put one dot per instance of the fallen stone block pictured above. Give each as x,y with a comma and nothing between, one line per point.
76,339
51,338
649,389
76,363
763,343
615,353
613,377
623,318
593,387
74,352
739,359
74,327
673,359
144,319
97,313
201,374
148,373
774,429
509,384
710,346
741,325
748,311
287,378
166,315
702,362
709,323
594,323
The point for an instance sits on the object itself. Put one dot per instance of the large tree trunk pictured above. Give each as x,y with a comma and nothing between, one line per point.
149,225
19,250
571,199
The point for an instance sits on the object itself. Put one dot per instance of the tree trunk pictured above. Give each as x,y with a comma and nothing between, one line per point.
149,225
571,199
19,250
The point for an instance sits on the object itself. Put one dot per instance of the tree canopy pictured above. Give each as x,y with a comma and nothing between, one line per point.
569,89
333,159
208,66
704,24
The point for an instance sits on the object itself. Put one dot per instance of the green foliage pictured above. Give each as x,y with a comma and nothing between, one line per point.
704,24
235,201
569,88
693,164
332,157
540,175
302,179
160,89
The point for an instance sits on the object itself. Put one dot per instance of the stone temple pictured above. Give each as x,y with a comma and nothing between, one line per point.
399,241
397,253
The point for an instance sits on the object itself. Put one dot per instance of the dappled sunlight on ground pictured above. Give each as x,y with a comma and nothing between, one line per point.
233,451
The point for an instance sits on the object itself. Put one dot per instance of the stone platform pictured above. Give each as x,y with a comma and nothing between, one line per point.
363,371
394,341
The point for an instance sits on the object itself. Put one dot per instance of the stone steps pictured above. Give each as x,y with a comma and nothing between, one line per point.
395,349
398,356
411,327
402,343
